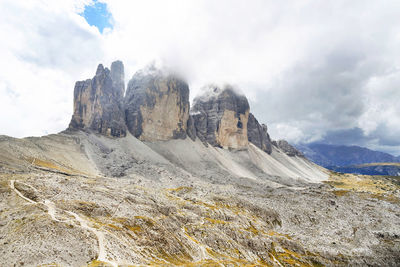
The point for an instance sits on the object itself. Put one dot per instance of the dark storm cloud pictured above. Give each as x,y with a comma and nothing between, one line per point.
380,139
354,136
318,96
336,92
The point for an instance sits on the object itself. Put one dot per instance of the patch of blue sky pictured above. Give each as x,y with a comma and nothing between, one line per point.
97,14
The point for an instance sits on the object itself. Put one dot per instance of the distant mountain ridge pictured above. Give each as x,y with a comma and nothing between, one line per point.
350,159
340,155
391,169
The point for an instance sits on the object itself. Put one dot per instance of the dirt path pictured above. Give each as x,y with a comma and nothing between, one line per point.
78,221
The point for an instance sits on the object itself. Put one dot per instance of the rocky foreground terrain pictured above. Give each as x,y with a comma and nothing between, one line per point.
140,178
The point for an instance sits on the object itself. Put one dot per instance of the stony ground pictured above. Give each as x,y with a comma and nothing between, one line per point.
55,214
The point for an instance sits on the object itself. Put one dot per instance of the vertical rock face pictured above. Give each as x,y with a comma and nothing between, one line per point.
258,134
157,106
118,78
98,102
287,148
191,128
220,117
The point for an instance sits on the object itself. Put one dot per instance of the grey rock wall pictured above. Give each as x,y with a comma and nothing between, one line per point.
157,106
258,134
98,102
287,148
220,117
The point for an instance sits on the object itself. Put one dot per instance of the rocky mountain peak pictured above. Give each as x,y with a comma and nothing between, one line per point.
98,104
100,69
118,77
258,134
151,70
214,91
157,105
220,117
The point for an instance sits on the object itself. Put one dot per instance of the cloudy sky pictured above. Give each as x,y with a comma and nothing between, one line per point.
314,71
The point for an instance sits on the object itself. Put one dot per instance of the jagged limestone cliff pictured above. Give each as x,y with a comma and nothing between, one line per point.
220,117
258,134
98,102
157,106
287,148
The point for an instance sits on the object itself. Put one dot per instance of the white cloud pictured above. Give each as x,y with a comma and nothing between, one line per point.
45,47
308,67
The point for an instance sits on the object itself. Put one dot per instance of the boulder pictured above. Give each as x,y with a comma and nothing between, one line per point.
220,117
98,102
157,105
